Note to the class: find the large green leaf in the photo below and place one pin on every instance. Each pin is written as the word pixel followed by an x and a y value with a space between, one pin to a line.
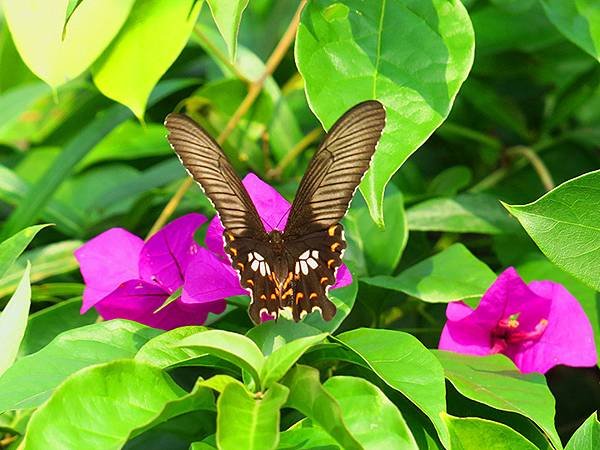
pixel 245 421
pixel 495 381
pixel 452 275
pixel 104 405
pixel 74 150
pixel 473 433
pixel 46 324
pixel 228 15
pixel 13 320
pixel 281 360
pixel 308 438
pixel 46 261
pixel 587 436
pixel 57 47
pixel 149 42
pixel 162 351
pixel 380 248
pixel 232 347
pixel 273 334
pixel 11 248
pixel 308 396
pixel 66 354
pixel 412 55
pixel 565 224
pixel 399 359
pixel 465 213
pixel 371 417
pixel 578 20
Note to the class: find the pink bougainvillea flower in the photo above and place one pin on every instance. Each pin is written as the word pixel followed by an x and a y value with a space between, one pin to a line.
pixel 273 210
pixel 538 325
pixel 129 279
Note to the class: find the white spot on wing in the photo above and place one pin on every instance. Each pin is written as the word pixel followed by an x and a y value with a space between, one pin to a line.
pixel 254 265
pixel 315 254
pixel 304 267
pixel 297 267
pixel 250 256
pixel 263 270
pixel 312 263
pixel 305 254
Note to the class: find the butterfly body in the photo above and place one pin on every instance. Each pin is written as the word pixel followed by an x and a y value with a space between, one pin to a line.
pixel 290 269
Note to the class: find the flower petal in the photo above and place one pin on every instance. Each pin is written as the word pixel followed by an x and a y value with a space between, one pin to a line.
pixel 166 255
pixel 208 279
pixel 462 334
pixel 568 338
pixel 106 261
pixel 343 277
pixel 137 300
pixel 270 204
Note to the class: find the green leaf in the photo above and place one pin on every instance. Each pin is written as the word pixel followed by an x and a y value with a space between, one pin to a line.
pixel 228 15
pixel 13 321
pixel 465 213
pixel 587 436
pixel 281 360
pixel 381 248
pixel 343 299
pixel 232 347
pixel 399 359
pixel 412 55
pixel 66 354
pixel 452 275
pixel 46 324
pixel 245 421
pixel 162 352
pixel 47 261
pixel 74 150
pixel 274 334
pixel 129 140
pixel 579 21
pixel 495 381
pixel 371 417
pixel 309 438
pixel 473 433
pixel 107 404
pixel 308 396
pixel 140 54
pixel 565 224
pixel 11 248
pixel 16 101
pixel 69 46
pixel 449 181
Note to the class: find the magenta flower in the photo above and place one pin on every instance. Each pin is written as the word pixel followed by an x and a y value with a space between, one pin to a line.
pixel 538 326
pixel 129 279
pixel 273 210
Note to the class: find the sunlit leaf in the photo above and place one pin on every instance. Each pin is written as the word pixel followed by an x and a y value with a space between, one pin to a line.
pixel 227 15
pixel 565 224
pixel 412 55
pixel 11 248
pixel 587 436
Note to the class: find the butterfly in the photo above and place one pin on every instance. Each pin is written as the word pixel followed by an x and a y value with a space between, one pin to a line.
pixel 291 268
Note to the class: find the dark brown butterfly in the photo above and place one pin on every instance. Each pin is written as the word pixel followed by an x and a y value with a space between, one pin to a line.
pixel 290 269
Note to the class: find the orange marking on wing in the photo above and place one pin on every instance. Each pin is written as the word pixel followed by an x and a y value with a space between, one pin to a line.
pixel 312 295
pixel 299 296
pixel 263 297
pixel 288 279
pixel 250 282
pixel 273 297
pixel 230 236
pixel 334 246
pixel 331 230
pixel 233 250
pixel 324 280
pixel 331 263
pixel 241 266
pixel 287 293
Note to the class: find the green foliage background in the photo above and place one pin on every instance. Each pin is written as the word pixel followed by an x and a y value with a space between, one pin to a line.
pixel 501 99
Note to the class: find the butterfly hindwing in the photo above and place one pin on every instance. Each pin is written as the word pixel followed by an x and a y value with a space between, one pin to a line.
pixel 316 256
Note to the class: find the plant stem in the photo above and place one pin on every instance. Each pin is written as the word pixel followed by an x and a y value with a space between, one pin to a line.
pixel 302 145
pixel 219 54
pixel 254 90
pixel 536 162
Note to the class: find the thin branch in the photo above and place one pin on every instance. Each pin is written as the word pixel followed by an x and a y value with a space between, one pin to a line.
pixel 216 51
pixel 254 90
pixel 538 165
pixel 302 145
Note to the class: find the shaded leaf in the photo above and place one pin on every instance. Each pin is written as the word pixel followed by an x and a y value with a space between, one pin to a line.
pixel 11 248
pixel 451 275
pixel 587 436
pixel 228 15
